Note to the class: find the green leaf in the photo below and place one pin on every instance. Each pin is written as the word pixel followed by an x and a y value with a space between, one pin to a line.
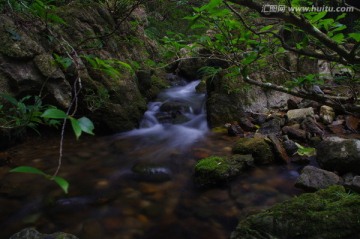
pixel 355 36
pixel 305 151
pixel 9 98
pixel 338 37
pixel 266 28
pixel 54 114
pixel 86 125
pixel 63 183
pixel 340 16
pixel 317 17
pixel 27 169
pixel 76 127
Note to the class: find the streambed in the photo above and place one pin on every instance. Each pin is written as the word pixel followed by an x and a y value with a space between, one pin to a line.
pixel 138 184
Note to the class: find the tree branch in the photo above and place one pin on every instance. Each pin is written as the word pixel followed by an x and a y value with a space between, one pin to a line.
pixel 306 26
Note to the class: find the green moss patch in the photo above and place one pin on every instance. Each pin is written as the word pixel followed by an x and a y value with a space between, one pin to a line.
pixel 257 147
pixel 328 213
pixel 216 170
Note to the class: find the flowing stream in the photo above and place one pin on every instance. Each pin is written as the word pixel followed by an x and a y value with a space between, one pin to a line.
pixel 138 184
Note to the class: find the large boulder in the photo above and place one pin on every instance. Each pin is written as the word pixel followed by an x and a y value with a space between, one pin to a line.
pixel 215 170
pixel 229 100
pixel 312 179
pixel 31 233
pixel 338 154
pixel 257 147
pixel 329 213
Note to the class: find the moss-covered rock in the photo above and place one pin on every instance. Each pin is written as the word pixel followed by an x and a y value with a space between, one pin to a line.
pixel 216 170
pixel 257 147
pixel 329 213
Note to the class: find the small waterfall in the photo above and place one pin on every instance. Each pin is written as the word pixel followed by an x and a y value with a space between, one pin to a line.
pixel 176 119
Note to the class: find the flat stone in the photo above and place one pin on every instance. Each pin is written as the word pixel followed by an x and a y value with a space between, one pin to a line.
pixel 299 114
pixel 312 179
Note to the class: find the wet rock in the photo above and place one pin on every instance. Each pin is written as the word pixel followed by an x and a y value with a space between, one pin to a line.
pixel 337 127
pixel 290 147
pixel 259 119
pixel 352 123
pixel 312 179
pixel 217 170
pixel 327 114
pixel 299 114
pixel 292 104
pixel 294 132
pixel 234 129
pixel 151 172
pixel 330 213
pixel 355 184
pixel 300 159
pixel 341 155
pixel 272 126
pixel 28 233
pixel 279 149
pixel 175 106
pixel 247 124
pixel 257 147
pixel 310 125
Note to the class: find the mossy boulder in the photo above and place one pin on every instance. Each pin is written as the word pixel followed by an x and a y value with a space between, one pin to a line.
pixel 216 170
pixel 257 147
pixel 329 213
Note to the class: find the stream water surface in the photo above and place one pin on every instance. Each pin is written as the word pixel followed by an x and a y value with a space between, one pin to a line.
pixel 138 184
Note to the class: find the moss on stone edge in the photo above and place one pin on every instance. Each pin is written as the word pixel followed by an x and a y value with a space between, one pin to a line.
pixel 216 170
pixel 329 213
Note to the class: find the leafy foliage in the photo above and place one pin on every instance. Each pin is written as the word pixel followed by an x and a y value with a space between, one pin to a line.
pixel 112 67
pixel 79 126
pixel 63 183
pixel 21 114
pixel 305 151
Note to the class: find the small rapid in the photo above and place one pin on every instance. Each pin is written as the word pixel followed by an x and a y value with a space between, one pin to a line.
pixel 176 119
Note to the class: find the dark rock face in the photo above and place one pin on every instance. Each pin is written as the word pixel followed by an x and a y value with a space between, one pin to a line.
pixel 330 213
pixel 28 233
pixel 216 170
pixel 341 155
pixel 28 65
pixel 312 179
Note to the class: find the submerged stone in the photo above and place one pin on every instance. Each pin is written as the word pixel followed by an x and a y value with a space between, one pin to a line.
pixel 329 213
pixel 151 172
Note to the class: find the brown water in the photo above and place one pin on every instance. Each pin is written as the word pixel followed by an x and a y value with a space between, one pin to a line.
pixel 107 200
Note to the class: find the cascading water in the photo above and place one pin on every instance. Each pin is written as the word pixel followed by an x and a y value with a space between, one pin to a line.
pixel 176 119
